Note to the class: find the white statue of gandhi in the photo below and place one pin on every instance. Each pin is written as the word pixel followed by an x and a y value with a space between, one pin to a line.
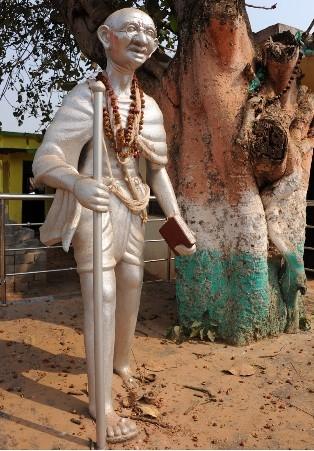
pixel 133 124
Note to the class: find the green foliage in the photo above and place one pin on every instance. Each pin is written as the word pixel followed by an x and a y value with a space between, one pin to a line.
pixel 197 330
pixel 38 57
pixel 165 20
pixel 40 60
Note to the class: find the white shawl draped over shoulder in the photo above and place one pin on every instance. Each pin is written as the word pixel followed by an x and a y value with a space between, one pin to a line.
pixel 69 131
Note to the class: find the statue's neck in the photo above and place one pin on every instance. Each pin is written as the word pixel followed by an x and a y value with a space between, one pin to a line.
pixel 120 78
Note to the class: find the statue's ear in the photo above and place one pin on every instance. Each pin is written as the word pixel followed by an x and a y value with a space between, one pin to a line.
pixel 103 33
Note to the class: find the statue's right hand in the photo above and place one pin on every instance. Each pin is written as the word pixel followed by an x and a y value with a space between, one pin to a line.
pixel 91 194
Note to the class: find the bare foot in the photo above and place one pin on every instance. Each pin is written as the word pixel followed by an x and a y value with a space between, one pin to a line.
pixel 127 377
pixel 118 429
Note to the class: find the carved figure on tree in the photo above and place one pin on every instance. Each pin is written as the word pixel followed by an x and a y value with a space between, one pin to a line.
pixel 133 125
pixel 277 134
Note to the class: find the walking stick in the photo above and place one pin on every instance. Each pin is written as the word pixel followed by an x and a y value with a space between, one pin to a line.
pixel 98 90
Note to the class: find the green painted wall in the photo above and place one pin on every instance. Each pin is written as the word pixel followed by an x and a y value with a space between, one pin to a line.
pixel 14 149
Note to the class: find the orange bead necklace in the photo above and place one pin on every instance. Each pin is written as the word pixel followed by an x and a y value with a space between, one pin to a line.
pixel 123 140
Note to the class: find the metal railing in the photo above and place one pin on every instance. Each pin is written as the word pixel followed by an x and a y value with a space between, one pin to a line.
pixel 4 249
pixel 309 204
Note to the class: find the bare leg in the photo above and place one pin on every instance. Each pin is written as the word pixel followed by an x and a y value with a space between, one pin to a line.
pixel 129 286
pixel 118 429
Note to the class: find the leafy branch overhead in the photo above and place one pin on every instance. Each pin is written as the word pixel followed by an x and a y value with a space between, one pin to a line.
pixel 47 46
pixel 37 55
pixel 40 58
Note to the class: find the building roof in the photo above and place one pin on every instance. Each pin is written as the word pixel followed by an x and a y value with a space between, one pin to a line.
pixel 19 141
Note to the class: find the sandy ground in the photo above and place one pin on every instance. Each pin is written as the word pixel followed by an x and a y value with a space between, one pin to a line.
pixel 43 397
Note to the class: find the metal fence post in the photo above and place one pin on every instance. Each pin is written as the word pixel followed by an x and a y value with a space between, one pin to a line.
pixel 3 288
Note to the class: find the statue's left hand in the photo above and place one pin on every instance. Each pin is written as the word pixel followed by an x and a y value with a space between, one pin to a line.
pixel 183 250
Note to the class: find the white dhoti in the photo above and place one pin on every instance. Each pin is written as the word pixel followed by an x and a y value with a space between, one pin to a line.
pixel 122 237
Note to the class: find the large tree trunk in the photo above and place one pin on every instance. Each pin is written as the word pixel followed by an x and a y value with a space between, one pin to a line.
pixel 233 285
pixel 234 193
pixel 225 284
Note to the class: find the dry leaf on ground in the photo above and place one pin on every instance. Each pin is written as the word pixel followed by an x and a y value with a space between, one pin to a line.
pixel 149 410
pixel 241 369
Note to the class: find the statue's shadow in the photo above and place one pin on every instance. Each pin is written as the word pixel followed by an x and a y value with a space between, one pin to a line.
pixel 23 372
pixel 40 373
pixel 37 373
pixel 24 366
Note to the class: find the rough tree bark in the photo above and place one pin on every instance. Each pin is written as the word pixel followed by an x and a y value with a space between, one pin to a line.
pixel 240 165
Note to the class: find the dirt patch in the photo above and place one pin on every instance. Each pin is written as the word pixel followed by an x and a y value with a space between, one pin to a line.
pixel 197 399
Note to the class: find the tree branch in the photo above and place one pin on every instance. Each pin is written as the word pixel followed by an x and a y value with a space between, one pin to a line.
pixel 274 6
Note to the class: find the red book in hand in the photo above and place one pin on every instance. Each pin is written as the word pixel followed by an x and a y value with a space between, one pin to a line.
pixel 175 231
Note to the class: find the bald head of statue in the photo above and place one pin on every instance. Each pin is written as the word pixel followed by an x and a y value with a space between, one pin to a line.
pixel 129 38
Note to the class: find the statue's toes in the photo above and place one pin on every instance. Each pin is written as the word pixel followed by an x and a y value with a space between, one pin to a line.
pixel 131 425
pixel 122 431
pixel 117 431
pixel 124 427
pixel 110 433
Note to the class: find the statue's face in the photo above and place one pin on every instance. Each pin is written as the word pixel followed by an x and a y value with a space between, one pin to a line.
pixel 129 38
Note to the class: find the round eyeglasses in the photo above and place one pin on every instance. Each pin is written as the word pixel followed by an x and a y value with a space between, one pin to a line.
pixel 133 30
